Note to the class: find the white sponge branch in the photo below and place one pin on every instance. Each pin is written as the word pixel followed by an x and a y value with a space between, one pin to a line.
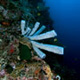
pixel 36 26
pixel 40 30
pixel 48 47
pixel 49 34
pixel 23 23
pixel 39 52
pixel 28 32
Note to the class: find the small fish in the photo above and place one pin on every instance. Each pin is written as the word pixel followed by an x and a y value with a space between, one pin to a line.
pixel 5 23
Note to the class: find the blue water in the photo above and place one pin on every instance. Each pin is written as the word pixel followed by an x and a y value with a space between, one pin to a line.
pixel 66 16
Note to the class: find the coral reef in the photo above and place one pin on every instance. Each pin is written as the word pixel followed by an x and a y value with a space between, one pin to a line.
pixel 26 38
pixel 16 36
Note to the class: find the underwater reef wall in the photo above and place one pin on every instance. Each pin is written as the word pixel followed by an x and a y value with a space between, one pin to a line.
pixel 28 43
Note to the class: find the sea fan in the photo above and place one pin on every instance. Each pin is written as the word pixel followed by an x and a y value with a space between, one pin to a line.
pixel 34 35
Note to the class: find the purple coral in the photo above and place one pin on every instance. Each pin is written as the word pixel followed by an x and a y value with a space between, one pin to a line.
pixel 2 73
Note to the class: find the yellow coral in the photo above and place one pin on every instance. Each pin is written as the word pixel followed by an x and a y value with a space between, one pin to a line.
pixel 48 71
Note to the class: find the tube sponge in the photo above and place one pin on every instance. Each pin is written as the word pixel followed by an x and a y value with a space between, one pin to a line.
pixel 39 52
pixel 40 30
pixel 51 48
pixel 36 26
pixel 49 34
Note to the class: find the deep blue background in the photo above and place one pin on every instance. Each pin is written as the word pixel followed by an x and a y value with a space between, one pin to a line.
pixel 66 16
